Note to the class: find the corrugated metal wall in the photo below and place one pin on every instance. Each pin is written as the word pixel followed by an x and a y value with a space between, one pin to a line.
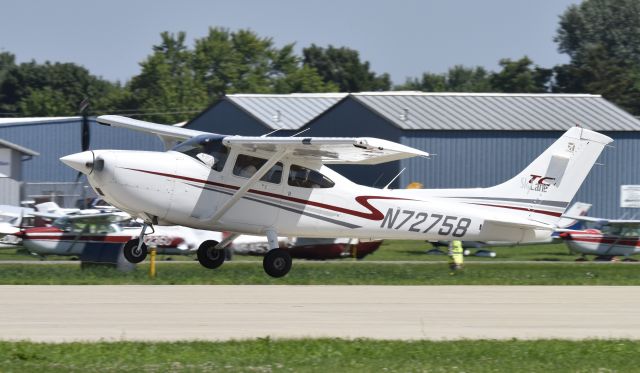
pixel 484 158
pixel 9 191
pixel 59 138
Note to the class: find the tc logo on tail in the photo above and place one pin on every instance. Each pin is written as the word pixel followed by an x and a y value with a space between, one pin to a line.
pixel 539 183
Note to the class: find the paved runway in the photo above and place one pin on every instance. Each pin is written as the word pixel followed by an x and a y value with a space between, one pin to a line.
pixel 68 313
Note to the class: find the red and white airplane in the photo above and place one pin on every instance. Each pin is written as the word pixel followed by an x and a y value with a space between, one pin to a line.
pixel 606 240
pixel 282 185
pixel 73 234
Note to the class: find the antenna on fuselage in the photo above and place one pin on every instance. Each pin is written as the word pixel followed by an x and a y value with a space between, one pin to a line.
pixel 271 133
pixel 304 130
pixel 394 179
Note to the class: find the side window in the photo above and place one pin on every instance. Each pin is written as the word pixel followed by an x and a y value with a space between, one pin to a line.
pixel 307 178
pixel 247 165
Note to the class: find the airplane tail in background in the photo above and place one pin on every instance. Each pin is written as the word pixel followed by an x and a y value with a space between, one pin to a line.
pixel 577 209
pixel 544 189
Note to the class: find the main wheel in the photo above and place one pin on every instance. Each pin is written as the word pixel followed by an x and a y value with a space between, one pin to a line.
pixel 209 256
pixel 132 253
pixel 277 262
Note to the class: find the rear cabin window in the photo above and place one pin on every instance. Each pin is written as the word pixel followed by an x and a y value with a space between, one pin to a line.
pixel 247 165
pixel 303 177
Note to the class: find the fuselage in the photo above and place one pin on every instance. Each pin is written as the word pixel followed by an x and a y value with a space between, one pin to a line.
pixel 296 199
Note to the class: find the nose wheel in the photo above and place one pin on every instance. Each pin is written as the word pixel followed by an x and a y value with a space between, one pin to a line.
pixel 134 252
pixel 209 255
pixel 277 262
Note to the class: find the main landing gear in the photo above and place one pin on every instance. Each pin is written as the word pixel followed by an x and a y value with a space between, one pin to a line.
pixel 277 261
pixel 209 255
pixel 135 251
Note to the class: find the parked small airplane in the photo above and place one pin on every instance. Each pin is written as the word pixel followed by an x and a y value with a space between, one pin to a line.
pixel 606 240
pixel 307 248
pixel 281 185
pixel 72 234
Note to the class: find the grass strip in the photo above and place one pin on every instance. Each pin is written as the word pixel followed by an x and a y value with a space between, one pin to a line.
pixel 331 273
pixel 324 355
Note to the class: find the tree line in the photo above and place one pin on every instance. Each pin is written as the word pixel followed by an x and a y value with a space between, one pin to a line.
pixel 601 37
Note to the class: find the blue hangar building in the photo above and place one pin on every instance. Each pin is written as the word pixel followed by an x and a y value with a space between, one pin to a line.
pixel 478 140
pixel 43 176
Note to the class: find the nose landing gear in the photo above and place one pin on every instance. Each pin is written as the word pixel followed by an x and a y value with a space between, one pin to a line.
pixel 135 251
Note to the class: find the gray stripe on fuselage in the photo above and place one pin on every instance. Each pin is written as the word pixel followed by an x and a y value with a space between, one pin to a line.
pixel 290 209
pixel 559 204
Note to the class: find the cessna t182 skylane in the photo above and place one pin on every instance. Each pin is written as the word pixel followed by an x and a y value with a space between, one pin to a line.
pixel 281 186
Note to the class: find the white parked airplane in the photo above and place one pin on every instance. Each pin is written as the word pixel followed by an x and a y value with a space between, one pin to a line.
pixel 281 185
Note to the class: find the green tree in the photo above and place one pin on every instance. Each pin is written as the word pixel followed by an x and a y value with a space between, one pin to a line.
pixel 243 62
pixel 343 67
pixel 7 62
pixel 44 102
pixel 521 77
pixel 303 80
pixel 457 79
pixel 609 24
pixel 602 38
pixel 167 90
pixel 52 89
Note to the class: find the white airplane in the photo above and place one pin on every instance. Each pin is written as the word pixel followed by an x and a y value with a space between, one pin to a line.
pixel 281 185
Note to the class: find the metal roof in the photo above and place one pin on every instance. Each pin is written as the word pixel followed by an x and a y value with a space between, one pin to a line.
pixel 497 111
pixel 16 147
pixel 289 111
pixel 33 120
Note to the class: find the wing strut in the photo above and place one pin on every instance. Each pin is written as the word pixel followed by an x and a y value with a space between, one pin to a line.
pixel 245 188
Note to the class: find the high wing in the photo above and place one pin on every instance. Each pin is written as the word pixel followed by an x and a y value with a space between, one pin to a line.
pixel 331 150
pixel 167 133
pixel 107 217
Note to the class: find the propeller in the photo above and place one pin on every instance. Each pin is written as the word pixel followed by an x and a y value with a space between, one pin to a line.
pixel 85 132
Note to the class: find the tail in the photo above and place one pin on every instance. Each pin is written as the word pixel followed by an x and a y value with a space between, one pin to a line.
pixel 544 189
pixel 567 221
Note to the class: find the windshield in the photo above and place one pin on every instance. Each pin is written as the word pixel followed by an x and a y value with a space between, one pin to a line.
pixel 207 149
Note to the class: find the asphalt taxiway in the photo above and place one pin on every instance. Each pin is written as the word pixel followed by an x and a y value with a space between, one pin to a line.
pixel 131 312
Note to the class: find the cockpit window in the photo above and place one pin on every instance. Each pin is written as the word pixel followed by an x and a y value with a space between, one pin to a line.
pixel 247 165
pixel 207 149
pixel 307 178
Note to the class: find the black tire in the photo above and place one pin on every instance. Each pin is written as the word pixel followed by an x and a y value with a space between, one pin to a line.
pixel 277 263
pixel 131 252
pixel 209 256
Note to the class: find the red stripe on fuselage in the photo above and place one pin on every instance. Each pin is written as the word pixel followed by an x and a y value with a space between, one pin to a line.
pixel 544 212
pixel 82 239
pixel 373 214
pixel 605 240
